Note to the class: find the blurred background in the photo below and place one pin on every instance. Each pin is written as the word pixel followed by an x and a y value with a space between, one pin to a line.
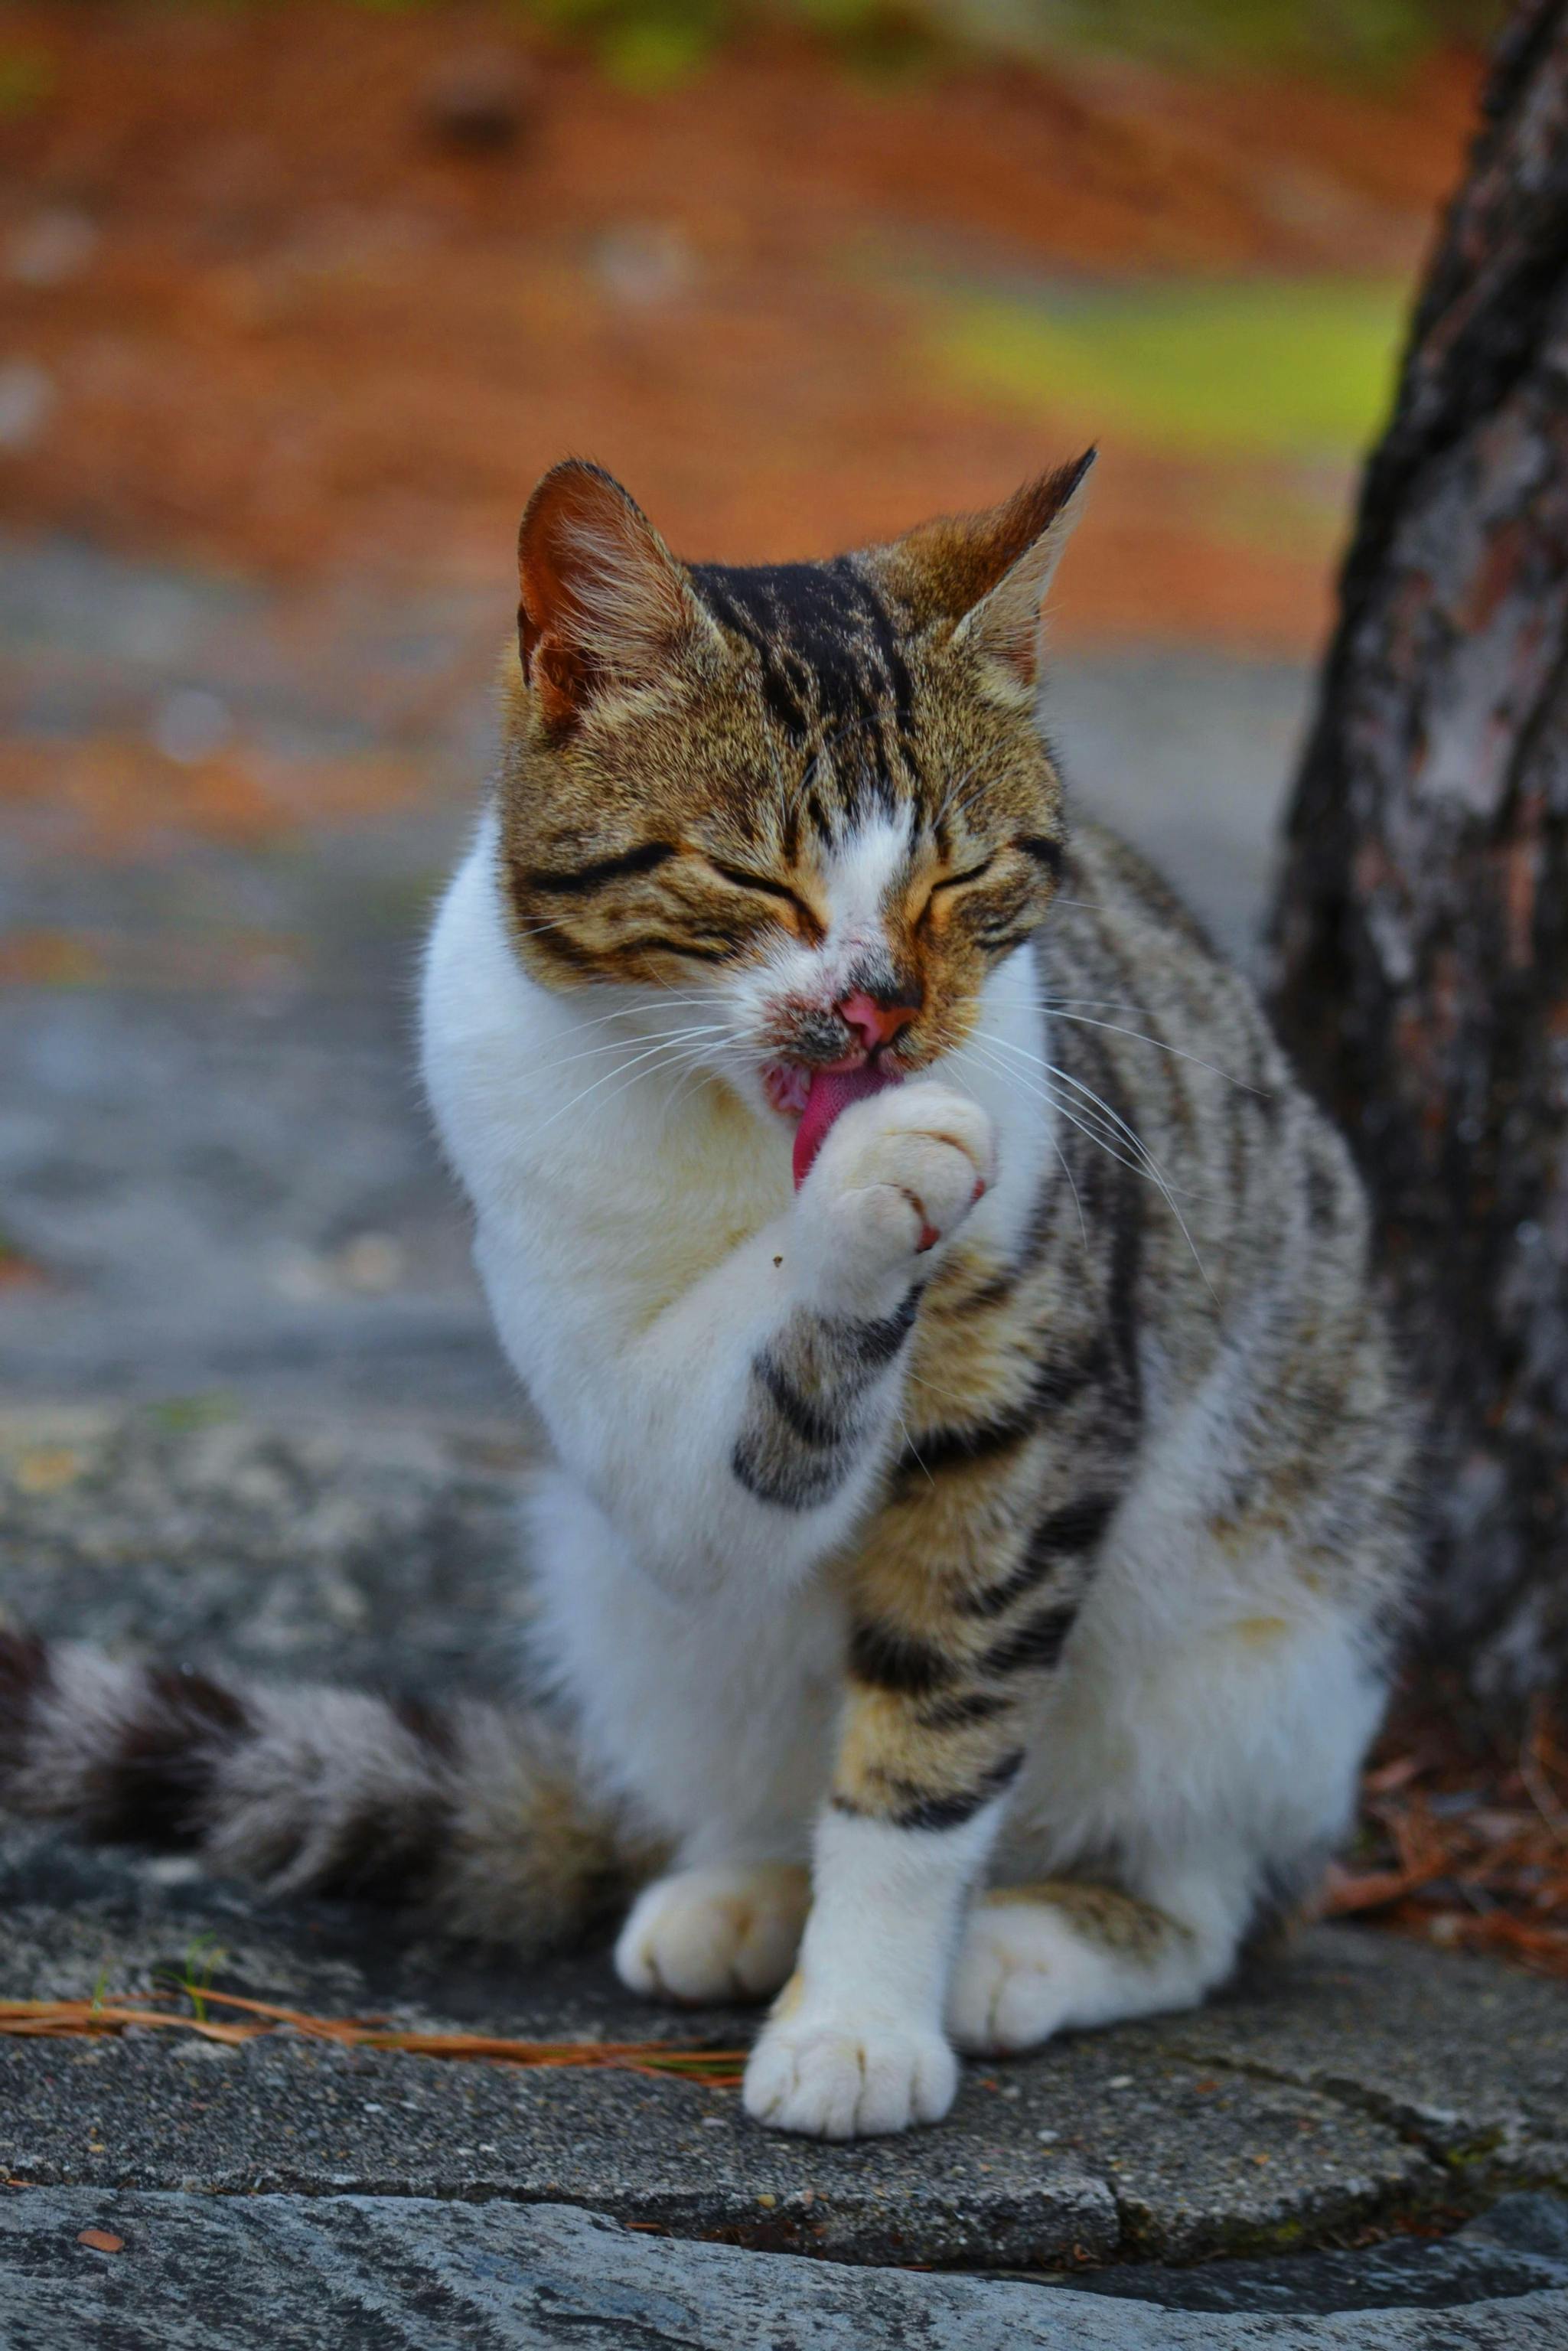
pixel 298 299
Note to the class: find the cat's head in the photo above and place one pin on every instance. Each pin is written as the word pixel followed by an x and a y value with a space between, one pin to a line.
pixel 805 807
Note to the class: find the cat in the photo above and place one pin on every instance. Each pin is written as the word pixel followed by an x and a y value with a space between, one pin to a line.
pixel 981 1502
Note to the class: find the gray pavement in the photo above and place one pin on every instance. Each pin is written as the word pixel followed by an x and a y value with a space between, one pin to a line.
pixel 355 2274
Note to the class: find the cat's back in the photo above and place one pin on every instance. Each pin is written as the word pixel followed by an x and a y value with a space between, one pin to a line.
pixel 1231 1233
pixel 1118 928
pixel 1166 1063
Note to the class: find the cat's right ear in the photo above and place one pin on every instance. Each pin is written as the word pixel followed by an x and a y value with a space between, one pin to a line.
pixel 603 604
pixel 986 575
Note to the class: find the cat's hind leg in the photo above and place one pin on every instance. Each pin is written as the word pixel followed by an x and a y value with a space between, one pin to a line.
pixel 1067 1954
pixel 729 1931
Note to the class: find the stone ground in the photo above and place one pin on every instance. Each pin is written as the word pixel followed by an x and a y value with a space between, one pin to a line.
pixel 250 1411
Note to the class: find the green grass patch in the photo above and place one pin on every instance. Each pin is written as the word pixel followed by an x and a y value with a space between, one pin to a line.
pixel 1354 40
pixel 182 1415
pixel 647 45
pixel 1298 367
pixel 26 83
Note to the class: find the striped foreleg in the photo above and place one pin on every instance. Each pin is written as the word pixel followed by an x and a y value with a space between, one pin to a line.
pixel 941 1668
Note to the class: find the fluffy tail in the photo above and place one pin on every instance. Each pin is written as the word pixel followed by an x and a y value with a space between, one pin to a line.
pixel 474 1818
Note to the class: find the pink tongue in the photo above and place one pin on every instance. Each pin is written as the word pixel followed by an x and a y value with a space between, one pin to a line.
pixel 830 1092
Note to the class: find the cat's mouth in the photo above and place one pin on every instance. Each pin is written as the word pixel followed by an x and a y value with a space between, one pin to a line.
pixel 818 1097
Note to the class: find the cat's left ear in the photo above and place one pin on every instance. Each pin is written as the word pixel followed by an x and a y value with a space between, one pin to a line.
pixel 602 603
pixel 990 572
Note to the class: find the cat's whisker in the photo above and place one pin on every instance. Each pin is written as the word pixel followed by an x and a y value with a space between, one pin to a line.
pixel 662 1047
pixel 624 1044
pixel 1119 1125
pixel 618 1045
pixel 1061 1155
pixel 949 1395
pixel 1144 1165
pixel 951 795
pixel 1156 1169
pixel 967 802
pixel 910 1448
pixel 1101 1003
pixel 1091 1116
pixel 1179 1052
pixel 664 1004
pixel 658 1070
pixel 1093 1133
pixel 683 1059
pixel 694 1069
pixel 1136 1140
pixel 1077 1200
pixel 684 1064
pixel 1032 993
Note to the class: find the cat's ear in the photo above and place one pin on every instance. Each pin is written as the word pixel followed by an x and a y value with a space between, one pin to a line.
pixel 602 603
pixel 989 573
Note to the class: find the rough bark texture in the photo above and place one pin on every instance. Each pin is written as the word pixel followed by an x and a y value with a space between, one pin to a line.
pixel 1422 935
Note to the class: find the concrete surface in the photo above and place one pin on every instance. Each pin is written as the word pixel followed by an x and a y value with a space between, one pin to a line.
pixel 356 2273
pixel 1170 2141
pixel 1147 2152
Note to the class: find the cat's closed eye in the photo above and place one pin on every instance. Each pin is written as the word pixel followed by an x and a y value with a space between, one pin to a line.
pixel 956 881
pixel 767 886
pixel 947 883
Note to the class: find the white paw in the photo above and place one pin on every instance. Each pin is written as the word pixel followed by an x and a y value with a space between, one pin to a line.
pixel 848 2079
pixel 714 1934
pixel 1022 1974
pixel 896 1178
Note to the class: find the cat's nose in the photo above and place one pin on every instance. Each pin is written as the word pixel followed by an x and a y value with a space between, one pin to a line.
pixel 873 1023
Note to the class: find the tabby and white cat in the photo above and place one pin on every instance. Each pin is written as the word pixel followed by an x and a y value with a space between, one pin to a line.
pixel 980 1510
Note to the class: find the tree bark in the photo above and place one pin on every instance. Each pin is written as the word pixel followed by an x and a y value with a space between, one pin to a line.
pixel 1421 934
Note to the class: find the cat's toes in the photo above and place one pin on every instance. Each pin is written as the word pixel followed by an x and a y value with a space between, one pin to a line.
pixel 1018 1979
pixel 714 1934
pixel 898 1174
pixel 829 2079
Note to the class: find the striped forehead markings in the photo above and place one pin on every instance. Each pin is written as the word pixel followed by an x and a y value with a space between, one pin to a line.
pixel 827 643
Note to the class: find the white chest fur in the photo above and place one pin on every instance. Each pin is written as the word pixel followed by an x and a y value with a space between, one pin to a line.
pixel 606 1173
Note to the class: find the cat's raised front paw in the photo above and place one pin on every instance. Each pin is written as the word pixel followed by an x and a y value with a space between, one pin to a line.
pixel 849 2078
pixel 896 1178
pixel 714 1934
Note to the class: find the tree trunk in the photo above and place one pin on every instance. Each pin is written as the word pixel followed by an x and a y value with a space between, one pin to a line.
pixel 1421 937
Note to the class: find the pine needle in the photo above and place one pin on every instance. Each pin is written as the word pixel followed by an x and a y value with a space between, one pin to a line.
pixel 99 2018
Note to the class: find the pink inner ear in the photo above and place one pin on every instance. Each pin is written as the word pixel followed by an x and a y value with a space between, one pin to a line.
pixel 602 597
pixel 830 1094
pixel 568 509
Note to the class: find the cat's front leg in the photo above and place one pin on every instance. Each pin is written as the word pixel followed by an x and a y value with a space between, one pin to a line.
pixel 855 2045
pixel 744 1431
pixel 963 1601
